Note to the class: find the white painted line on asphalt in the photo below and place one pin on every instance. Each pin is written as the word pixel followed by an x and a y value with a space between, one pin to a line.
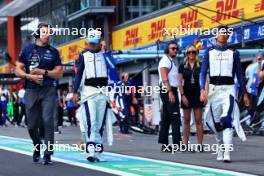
pixel 181 164
pixel 127 156
pixel 92 167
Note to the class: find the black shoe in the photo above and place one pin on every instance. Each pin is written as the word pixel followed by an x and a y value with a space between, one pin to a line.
pixel 200 148
pixel 47 160
pixel 36 156
pixel 91 159
pixel 191 150
pixel 227 161
pixel 128 132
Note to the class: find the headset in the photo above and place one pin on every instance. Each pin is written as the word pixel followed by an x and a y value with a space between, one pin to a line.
pixel 37 32
pixel 166 50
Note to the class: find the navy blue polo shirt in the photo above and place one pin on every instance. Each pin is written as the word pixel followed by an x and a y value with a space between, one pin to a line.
pixel 46 57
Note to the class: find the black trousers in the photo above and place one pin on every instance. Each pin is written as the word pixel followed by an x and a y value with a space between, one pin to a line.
pixel 170 116
pixel 56 117
pixel 60 116
pixel 16 113
pixel 125 124
pixel 21 114
pixel 71 115
pixel 1 119
pixel 39 109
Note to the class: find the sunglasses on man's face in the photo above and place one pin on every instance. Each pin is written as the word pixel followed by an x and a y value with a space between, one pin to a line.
pixel 191 52
pixel 174 48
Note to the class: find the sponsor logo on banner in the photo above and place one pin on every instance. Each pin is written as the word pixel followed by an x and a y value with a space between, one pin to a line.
pixel 157 28
pixel 261 30
pixel 246 34
pixel 226 9
pixel 70 52
pixel 132 37
pixel 189 19
pixel 73 52
pixel 147 32
pixel 259 6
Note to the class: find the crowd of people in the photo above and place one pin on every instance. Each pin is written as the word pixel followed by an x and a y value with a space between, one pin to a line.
pixel 12 107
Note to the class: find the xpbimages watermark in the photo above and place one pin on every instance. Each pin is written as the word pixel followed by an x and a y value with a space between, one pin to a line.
pixel 182 30
pixel 68 147
pixel 146 90
pixel 214 148
pixel 82 32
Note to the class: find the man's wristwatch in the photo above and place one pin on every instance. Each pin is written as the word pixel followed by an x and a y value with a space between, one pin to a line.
pixel 46 73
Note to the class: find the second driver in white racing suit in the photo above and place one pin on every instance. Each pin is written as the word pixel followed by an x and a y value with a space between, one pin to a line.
pixel 221 112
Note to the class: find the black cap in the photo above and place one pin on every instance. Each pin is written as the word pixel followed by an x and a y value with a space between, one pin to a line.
pixel 222 27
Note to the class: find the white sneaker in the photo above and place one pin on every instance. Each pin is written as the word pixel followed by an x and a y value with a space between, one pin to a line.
pixel 220 155
pixel 227 157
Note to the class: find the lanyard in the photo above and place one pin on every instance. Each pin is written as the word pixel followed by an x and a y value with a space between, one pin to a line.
pixel 172 63
pixel 192 77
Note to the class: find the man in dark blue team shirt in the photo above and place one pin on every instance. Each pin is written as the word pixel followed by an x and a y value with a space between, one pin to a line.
pixel 40 65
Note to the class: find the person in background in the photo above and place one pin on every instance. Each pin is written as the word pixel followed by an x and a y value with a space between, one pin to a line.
pixel 16 107
pixel 103 46
pixel 1 119
pixel 70 106
pixel 10 108
pixel 4 95
pixel 253 86
pixel 60 108
pixel 64 95
pixel 134 108
pixel 260 66
pixel 189 88
pixel 261 76
pixel 169 82
pixel 127 99
pixel 22 108
pixel 56 110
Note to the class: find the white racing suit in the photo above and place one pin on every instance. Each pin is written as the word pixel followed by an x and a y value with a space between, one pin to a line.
pixel 222 113
pixel 94 112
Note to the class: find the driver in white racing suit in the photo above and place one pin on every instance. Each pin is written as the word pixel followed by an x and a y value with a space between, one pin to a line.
pixel 92 67
pixel 221 112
